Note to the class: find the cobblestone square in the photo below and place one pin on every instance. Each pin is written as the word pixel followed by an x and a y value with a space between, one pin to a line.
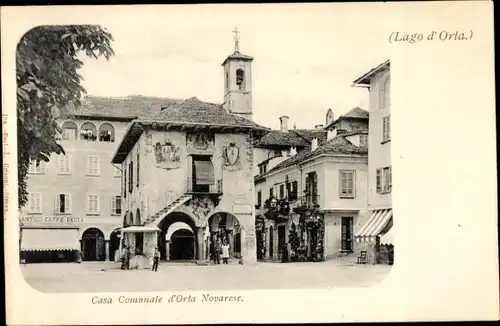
pixel 107 277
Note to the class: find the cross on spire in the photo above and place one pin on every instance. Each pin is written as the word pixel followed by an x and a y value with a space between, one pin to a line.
pixel 236 40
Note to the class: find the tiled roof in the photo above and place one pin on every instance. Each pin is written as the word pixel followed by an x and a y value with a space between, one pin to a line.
pixel 356 113
pixel 354 132
pixel 189 114
pixel 238 55
pixel 309 134
pixel 280 138
pixel 193 111
pixel 130 107
pixel 365 79
pixel 338 145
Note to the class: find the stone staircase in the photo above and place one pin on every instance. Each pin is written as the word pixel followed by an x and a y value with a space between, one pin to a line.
pixel 168 209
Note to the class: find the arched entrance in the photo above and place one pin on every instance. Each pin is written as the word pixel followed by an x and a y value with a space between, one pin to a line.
pixel 224 228
pixel 114 243
pixel 170 224
pixel 93 245
pixel 182 243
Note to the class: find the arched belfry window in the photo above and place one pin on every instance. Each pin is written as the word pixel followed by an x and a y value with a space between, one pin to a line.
pixel 88 131
pixel 106 132
pixel 240 79
pixel 227 81
pixel 384 92
pixel 69 130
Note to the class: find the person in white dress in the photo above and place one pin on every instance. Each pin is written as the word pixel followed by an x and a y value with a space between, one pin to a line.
pixel 225 253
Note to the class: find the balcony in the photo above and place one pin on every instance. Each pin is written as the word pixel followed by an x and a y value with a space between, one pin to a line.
pixel 277 209
pixel 193 187
pixel 307 203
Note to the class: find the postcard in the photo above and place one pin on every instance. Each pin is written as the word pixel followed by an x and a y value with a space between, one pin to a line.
pixel 249 163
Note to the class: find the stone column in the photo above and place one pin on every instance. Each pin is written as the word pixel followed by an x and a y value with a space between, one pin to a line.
pixel 106 244
pixel 200 242
pixel 167 250
pixel 231 243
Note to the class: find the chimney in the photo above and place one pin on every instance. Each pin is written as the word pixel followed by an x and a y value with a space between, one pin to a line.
pixel 284 123
pixel 317 127
pixel 314 144
pixel 332 133
pixel 293 151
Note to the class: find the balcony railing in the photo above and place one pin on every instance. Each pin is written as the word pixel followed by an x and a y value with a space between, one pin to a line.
pixel 194 188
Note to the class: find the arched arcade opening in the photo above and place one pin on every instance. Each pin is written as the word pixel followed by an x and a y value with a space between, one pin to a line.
pixel 93 245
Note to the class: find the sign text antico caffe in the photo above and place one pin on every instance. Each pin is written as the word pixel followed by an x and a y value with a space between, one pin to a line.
pixel 51 220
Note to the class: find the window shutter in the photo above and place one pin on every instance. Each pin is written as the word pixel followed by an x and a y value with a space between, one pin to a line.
pixel 124 183
pixel 112 205
pixel 60 162
pixel 67 199
pixel 378 181
pixel 389 179
pixel 97 204
pixel 131 177
pixel 96 165
pixel 388 127
pixel 89 204
pixel 353 185
pixel 57 204
pixel 68 164
pixel 89 165
pixel 38 203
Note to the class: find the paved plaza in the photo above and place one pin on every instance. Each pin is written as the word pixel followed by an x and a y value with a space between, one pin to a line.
pixel 107 277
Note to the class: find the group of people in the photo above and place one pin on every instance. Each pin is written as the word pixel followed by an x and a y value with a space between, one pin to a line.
pixel 125 259
pixel 220 251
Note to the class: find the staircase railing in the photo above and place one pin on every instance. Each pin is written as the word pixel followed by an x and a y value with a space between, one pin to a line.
pixel 163 200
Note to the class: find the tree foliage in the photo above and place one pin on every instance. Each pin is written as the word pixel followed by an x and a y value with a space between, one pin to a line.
pixel 48 84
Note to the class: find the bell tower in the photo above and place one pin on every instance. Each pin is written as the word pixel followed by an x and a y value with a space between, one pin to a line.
pixel 238 81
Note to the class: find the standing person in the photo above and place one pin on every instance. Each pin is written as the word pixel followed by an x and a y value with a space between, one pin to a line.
pixel 123 257
pixel 218 250
pixel 225 253
pixel 156 259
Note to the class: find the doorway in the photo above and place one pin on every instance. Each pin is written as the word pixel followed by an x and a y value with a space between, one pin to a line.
pixel 281 239
pixel 182 245
pixel 114 244
pixel 271 242
pixel 93 245
pixel 347 230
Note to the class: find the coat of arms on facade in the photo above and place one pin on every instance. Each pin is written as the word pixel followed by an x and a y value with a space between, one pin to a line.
pixel 202 206
pixel 200 142
pixel 231 155
pixel 167 155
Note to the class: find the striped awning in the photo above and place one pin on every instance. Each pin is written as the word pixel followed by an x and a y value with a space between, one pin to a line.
pixel 375 225
pixel 388 238
pixel 50 239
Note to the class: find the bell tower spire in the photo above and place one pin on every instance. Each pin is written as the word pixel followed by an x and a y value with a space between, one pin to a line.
pixel 238 80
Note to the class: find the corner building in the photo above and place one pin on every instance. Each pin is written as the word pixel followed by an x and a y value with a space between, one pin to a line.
pixel 188 175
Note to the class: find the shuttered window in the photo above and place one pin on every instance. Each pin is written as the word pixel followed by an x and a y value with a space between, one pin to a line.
pixel 93 205
pixel 93 165
pixel 347 182
pixel 204 172
pixel 131 177
pixel 64 164
pixel 34 205
pixel 137 169
pixel 116 205
pixel 37 167
pixel 63 204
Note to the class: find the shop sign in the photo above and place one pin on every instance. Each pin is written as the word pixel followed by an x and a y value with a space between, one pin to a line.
pixel 51 220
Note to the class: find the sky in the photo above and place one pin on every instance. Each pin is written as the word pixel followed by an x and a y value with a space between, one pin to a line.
pixel 304 60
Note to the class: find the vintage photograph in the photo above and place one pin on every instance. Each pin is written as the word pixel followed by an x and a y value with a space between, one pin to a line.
pixel 161 163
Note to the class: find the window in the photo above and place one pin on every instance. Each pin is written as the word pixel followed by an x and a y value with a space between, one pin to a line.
pixel 130 176
pixel 347 182
pixel 93 165
pixel 263 169
pixel 282 191
pixel 116 205
pixel 63 204
pixel 240 79
pixel 64 164
pixel 293 192
pixel 106 132
pixel 384 180
pixel 34 205
pixel 386 128
pixel 363 140
pixel 137 170
pixel 384 93
pixel 88 132
pixel 125 183
pixel 93 205
pixel 117 173
pixel 69 130
pixel 271 192
pixel 259 198
pixel 37 167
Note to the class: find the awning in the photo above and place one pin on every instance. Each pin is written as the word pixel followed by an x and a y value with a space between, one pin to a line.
pixel 388 238
pixel 204 172
pixel 375 225
pixel 137 229
pixel 50 239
